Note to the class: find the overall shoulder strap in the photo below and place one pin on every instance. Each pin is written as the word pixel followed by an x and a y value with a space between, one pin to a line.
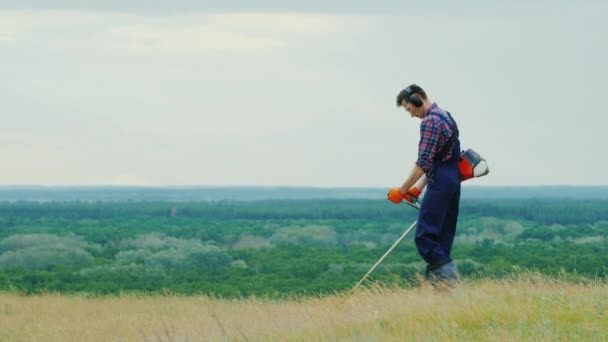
pixel 449 144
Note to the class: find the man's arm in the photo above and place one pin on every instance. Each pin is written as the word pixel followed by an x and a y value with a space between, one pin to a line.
pixel 421 183
pixel 416 177
pixel 411 188
pixel 429 134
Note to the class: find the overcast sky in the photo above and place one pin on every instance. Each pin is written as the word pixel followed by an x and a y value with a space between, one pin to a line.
pixel 267 93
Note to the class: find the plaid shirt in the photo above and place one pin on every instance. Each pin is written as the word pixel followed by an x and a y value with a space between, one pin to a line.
pixel 434 133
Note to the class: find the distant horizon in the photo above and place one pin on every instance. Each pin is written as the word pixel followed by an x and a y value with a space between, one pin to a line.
pixel 255 193
pixel 273 186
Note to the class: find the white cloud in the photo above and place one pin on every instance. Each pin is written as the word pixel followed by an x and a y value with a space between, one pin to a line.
pixel 232 32
pixel 191 39
pixel 290 23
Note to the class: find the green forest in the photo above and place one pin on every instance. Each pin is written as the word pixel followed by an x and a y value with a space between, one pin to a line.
pixel 278 247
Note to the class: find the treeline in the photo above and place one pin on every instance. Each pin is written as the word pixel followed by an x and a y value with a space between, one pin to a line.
pixel 546 211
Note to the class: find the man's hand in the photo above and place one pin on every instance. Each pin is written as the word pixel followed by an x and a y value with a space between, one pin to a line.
pixel 395 196
pixel 412 195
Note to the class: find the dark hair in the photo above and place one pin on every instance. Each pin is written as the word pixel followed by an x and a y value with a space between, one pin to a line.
pixel 407 93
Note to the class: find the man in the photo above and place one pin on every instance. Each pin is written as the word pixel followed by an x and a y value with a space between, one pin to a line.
pixel 436 168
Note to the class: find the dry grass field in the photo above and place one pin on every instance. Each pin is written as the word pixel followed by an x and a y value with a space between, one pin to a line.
pixel 528 308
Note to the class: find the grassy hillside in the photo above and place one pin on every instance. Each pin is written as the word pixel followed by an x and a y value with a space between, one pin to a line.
pixel 527 308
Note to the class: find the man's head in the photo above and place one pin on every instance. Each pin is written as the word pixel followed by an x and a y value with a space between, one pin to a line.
pixel 414 100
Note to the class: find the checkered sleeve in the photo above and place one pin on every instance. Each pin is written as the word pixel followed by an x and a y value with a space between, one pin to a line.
pixel 427 148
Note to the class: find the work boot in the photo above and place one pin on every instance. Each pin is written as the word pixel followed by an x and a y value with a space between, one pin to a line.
pixel 443 276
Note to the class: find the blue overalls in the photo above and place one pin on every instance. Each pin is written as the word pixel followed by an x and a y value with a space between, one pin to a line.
pixel 439 211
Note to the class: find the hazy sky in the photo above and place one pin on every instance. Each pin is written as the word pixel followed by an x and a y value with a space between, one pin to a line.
pixel 267 93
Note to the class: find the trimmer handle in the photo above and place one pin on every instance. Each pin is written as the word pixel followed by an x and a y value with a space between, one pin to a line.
pixel 415 204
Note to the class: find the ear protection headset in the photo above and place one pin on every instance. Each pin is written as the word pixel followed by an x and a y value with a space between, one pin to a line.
pixel 411 95
pixel 415 100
